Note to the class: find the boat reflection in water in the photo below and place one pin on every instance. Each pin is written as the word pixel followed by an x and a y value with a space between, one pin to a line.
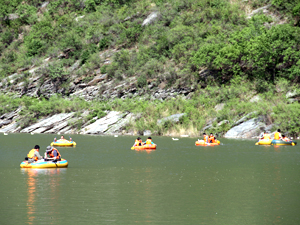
pixel 42 190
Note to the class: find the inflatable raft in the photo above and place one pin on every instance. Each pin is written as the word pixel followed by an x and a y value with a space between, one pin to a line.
pixel 264 142
pixel 63 143
pixel 202 143
pixel 281 142
pixel 45 164
pixel 144 147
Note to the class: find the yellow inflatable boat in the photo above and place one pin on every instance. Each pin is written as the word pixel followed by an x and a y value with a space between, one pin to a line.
pixel 63 143
pixel 45 164
pixel 264 142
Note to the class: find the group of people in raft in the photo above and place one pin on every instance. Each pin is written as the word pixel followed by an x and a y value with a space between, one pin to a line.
pixel 277 136
pixel 51 154
pixel 139 142
pixel 209 138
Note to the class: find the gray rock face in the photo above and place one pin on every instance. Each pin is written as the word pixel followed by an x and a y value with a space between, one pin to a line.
pixel 173 118
pixel 248 129
pixel 100 126
pixel 261 9
pixel 293 96
pixel 152 17
pixel 117 127
pixel 11 128
pixel 147 133
pixel 52 122
pixel 112 123
pixel 74 66
pixel 97 79
pixel 5 122
pixel 244 118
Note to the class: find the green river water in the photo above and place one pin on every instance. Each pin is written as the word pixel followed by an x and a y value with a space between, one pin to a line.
pixel 236 183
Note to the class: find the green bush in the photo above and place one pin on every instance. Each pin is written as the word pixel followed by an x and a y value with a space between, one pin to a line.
pixel 141 81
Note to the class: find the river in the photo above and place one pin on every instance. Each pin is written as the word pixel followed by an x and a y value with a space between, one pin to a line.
pixel 179 183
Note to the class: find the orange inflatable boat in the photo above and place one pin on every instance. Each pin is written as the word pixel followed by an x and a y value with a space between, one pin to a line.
pixel 144 147
pixel 202 143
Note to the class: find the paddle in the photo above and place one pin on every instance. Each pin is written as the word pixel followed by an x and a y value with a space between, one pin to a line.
pixel 132 148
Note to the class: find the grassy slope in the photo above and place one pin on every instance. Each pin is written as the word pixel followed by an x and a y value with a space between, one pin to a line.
pixel 245 56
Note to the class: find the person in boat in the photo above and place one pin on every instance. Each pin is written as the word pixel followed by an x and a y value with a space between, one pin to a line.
pixel 34 154
pixel 265 136
pixel 149 141
pixel 205 137
pixel 52 154
pixel 62 138
pixel 284 138
pixel 138 142
pixel 212 138
pixel 277 135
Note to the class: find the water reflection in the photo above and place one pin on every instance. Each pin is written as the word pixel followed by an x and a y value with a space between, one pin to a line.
pixel 42 189
pixel 146 150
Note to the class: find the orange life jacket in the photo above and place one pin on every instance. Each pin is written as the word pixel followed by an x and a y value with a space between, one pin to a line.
pixel 136 142
pixel 286 139
pixel 30 155
pixel 277 136
pixel 148 142
pixel 266 136
pixel 212 139
pixel 52 155
pixel 205 138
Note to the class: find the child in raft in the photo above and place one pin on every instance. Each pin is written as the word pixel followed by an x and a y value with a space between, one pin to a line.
pixel 284 138
pixel 212 139
pixel 138 142
pixel 265 136
pixel 205 138
pixel 149 141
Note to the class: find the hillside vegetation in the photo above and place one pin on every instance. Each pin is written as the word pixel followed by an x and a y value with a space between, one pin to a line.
pixel 223 50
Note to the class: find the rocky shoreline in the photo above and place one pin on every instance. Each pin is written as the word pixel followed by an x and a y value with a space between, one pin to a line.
pixel 114 123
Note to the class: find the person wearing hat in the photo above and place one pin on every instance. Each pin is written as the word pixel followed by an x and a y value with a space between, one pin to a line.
pixel 34 154
pixel 52 154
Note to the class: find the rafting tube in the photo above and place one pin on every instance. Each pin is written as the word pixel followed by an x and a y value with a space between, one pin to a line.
pixel 44 164
pixel 281 142
pixel 202 143
pixel 64 143
pixel 264 142
pixel 144 147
